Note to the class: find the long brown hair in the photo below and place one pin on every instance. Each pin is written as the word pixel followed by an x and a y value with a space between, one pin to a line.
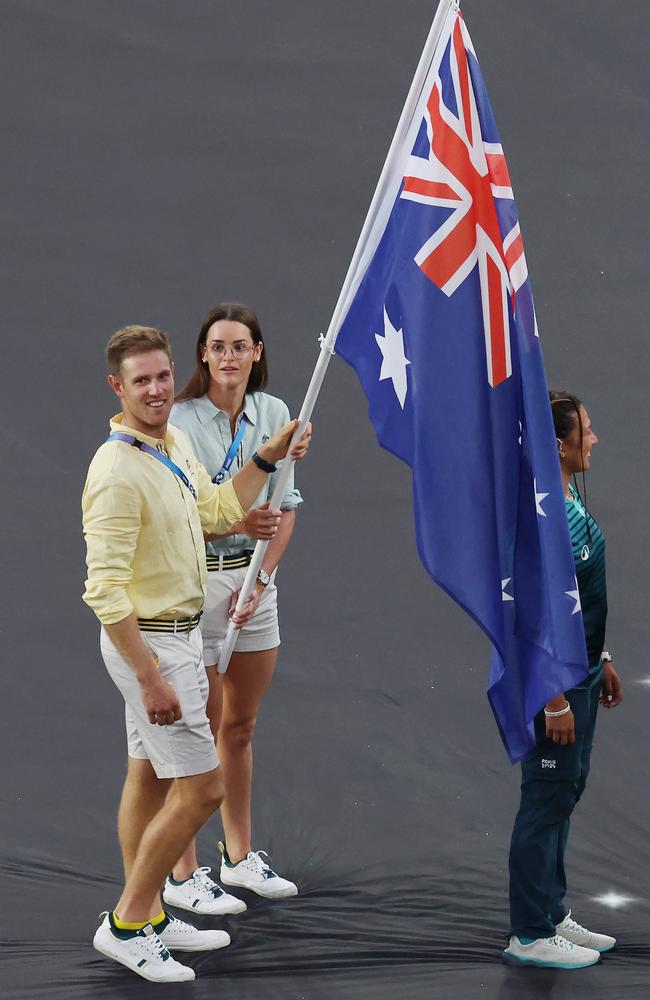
pixel 199 381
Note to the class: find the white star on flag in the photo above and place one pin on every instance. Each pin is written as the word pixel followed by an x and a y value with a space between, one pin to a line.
pixel 504 584
pixel 575 594
pixel 538 500
pixel 394 361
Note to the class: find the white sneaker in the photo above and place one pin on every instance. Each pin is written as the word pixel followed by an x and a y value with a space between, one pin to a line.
pixel 254 873
pixel 574 932
pixel 200 894
pixel 550 953
pixel 178 934
pixel 143 953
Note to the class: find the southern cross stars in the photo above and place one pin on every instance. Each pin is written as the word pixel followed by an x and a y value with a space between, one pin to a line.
pixel 538 500
pixel 394 361
pixel 575 594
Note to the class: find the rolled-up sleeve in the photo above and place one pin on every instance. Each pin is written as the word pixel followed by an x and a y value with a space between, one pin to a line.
pixel 111 522
pixel 292 497
pixel 219 508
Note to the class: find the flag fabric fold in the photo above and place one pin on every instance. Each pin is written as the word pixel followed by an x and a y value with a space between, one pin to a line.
pixel 441 331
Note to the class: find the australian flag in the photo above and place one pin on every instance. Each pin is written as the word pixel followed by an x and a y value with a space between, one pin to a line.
pixel 442 333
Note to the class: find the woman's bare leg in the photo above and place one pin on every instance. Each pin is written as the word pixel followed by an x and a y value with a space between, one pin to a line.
pixel 244 685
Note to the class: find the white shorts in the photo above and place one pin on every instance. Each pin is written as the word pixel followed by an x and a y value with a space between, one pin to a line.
pixel 261 632
pixel 186 747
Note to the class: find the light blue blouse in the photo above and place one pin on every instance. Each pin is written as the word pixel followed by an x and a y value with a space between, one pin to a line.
pixel 208 429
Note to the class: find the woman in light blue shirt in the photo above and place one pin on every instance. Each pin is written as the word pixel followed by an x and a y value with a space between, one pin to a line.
pixel 226 416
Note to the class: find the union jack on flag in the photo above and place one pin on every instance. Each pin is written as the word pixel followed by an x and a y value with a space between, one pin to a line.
pixel 441 296
pixel 464 173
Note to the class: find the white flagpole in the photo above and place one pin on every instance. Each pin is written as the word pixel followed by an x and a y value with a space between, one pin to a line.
pixel 372 227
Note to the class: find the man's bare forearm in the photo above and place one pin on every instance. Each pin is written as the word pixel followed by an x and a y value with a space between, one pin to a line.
pixel 158 696
pixel 127 639
pixel 249 483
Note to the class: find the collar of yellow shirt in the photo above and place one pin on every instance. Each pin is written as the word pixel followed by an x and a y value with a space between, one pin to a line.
pixel 118 426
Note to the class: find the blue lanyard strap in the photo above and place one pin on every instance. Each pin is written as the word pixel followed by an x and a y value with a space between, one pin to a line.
pixel 143 446
pixel 232 451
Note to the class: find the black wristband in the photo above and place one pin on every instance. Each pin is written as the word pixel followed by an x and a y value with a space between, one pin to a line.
pixel 262 464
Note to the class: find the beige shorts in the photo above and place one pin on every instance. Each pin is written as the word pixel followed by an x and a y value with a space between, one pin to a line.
pixel 186 747
pixel 261 632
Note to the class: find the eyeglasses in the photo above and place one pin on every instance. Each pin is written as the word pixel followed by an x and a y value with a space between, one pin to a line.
pixel 239 350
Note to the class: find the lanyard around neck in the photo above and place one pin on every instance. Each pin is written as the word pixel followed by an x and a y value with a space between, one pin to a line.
pixel 143 446
pixel 232 451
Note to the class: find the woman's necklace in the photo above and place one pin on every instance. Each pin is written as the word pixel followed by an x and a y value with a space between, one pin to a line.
pixel 576 502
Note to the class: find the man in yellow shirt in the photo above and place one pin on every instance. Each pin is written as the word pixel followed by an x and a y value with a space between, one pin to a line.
pixel 146 505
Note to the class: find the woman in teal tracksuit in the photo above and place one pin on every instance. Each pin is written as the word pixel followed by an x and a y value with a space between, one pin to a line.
pixel 543 931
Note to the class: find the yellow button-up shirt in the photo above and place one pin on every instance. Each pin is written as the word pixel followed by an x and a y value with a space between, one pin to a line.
pixel 144 529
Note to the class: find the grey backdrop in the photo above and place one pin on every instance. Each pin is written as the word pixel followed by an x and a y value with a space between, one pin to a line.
pixel 159 157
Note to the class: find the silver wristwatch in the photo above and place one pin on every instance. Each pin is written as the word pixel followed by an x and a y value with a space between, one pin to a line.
pixel 263 578
pixel 606 657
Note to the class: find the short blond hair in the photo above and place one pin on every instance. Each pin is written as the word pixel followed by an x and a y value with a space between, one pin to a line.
pixel 135 340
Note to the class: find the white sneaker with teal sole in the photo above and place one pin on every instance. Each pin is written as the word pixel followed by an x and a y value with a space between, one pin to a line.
pixel 143 952
pixel 184 937
pixel 550 953
pixel 254 873
pixel 201 894
pixel 574 932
